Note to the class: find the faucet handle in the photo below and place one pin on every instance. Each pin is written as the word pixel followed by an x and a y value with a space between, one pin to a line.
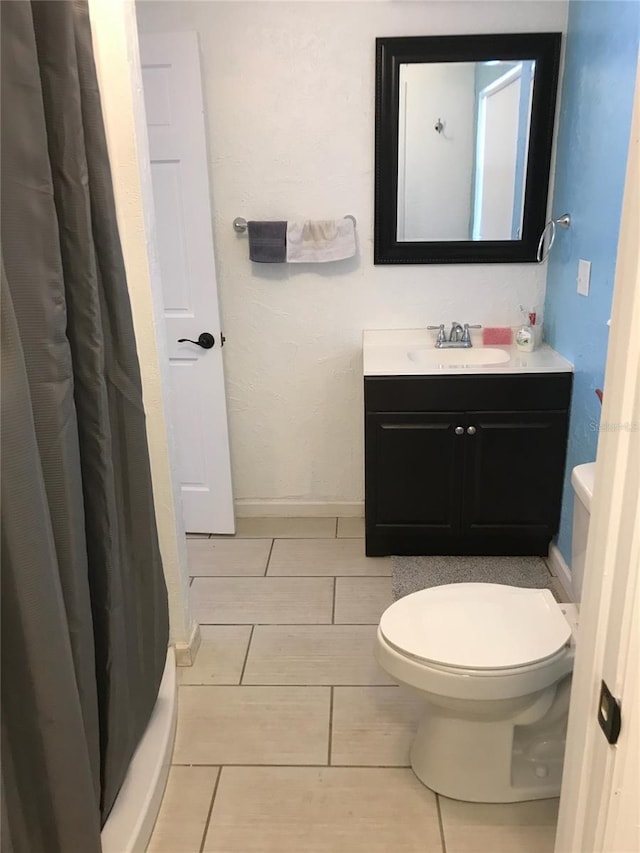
pixel 441 334
pixel 466 337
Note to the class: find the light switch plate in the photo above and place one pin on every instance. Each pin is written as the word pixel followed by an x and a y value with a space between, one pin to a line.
pixel 584 277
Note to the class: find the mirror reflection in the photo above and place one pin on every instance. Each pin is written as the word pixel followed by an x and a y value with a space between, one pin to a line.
pixel 463 140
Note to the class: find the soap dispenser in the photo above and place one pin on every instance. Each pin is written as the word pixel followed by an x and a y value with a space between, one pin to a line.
pixel 525 336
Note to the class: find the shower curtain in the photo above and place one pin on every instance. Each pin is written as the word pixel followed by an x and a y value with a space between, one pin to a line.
pixel 84 606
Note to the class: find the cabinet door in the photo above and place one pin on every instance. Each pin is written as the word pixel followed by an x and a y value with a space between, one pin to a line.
pixel 514 466
pixel 413 471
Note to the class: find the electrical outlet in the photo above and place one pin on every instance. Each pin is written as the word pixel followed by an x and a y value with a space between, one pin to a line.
pixel 584 277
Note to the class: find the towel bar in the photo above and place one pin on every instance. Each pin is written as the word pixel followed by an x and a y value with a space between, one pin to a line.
pixel 240 223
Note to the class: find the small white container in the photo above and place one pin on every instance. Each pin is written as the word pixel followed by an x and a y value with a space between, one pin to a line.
pixel 525 339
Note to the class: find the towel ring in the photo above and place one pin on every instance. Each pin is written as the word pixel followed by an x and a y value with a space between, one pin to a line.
pixel 240 223
pixel 563 221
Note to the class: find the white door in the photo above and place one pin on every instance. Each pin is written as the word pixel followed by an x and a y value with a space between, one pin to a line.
pixel 198 411
pixel 498 125
pixel 600 799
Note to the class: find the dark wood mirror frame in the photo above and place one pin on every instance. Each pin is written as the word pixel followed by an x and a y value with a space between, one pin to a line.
pixel 544 48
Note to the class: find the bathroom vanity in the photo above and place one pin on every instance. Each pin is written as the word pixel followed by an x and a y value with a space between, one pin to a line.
pixel 464 449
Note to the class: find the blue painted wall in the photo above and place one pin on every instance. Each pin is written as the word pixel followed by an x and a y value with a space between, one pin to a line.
pixel 593 139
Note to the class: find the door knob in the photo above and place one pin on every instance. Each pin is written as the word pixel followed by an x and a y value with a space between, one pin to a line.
pixel 471 430
pixel 459 430
pixel 205 340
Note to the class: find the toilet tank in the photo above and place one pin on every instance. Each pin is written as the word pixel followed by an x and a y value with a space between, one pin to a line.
pixel 582 478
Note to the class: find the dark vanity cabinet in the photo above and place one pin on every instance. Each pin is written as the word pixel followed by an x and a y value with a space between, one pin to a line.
pixel 464 464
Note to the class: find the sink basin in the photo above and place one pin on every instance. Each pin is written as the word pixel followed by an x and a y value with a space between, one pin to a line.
pixel 412 352
pixel 433 357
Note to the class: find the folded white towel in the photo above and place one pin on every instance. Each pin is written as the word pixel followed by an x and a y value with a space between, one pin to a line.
pixel 322 240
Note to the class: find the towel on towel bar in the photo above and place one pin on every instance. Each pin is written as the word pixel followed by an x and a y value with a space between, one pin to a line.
pixel 267 242
pixel 320 240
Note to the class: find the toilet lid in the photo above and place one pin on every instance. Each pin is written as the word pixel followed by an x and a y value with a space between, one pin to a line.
pixel 477 625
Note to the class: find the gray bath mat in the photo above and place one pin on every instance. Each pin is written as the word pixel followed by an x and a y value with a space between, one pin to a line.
pixel 413 573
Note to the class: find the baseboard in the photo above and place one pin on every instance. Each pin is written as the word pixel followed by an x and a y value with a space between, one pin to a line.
pixel 298 509
pixel 560 569
pixel 186 652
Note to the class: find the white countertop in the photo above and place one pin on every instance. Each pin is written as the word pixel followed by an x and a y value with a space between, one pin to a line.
pixel 412 352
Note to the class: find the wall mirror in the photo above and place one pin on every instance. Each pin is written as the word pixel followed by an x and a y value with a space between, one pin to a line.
pixel 464 126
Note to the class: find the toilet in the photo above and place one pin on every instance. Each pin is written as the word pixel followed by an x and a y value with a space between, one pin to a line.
pixel 493 664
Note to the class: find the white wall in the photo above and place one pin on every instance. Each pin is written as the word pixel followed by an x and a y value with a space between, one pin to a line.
pixel 434 178
pixel 289 92
pixel 119 77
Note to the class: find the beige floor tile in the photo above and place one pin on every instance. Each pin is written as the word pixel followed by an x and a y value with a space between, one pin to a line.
pixel 500 839
pixel 208 557
pixel 221 656
pixel 252 725
pixel 530 813
pixel 197 535
pixel 374 725
pixel 313 654
pixel 362 600
pixel 322 810
pixel 325 557
pixel 351 528
pixel 185 807
pixel 288 528
pixel 273 601
pixel 500 828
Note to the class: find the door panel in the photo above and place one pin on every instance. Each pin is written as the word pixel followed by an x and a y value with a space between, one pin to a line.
pixel 167 196
pixel 189 417
pixel 499 121
pixel 416 470
pixel 513 471
pixel 198 411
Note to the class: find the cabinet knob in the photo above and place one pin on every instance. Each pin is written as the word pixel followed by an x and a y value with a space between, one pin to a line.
pixel 459 430
pixel 471 430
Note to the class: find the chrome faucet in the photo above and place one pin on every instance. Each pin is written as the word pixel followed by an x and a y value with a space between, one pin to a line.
pixel 459 336
pixel 456 333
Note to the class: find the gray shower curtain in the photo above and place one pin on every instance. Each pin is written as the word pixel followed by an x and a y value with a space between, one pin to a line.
pixel 84 608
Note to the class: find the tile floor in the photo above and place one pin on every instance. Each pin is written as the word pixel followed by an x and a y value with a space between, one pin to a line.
pixel 290 738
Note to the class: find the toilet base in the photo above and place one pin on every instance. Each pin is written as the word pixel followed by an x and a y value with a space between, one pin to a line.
pixel 494 761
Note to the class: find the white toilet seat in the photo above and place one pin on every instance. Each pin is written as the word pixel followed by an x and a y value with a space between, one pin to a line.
pixel 423 641
pixel 469 684
pixel 477 627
